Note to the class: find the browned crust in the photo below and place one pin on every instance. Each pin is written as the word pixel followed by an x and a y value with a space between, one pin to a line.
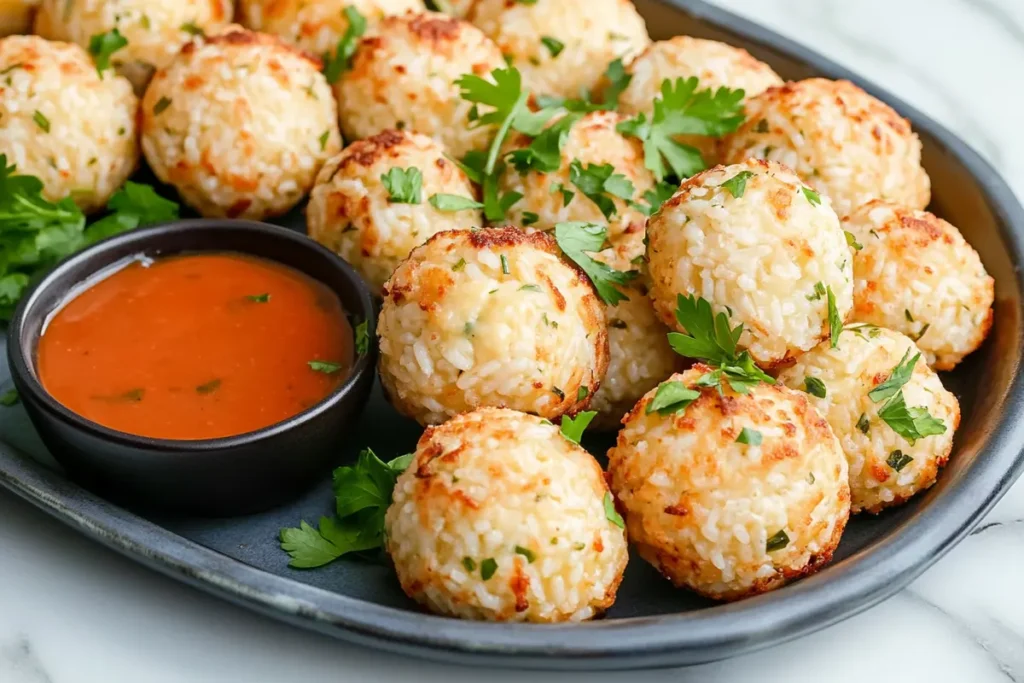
pixel 237 36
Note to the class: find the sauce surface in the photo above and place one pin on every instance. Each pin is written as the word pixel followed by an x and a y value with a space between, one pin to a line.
pixel 196 347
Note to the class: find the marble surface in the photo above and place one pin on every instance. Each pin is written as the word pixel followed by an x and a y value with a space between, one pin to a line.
pixel 73 612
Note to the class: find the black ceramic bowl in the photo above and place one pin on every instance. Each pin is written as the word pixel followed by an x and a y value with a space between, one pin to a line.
pixel 213 477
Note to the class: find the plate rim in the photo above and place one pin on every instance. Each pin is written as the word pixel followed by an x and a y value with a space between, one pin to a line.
pixel 860 581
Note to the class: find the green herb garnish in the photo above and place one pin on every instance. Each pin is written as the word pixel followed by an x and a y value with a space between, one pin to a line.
pixel 161 106
pixel 851 241
pixel 815 387
pixel 835 322
pixel 553 45
pixel 258 298
pixel 737 185
pixel 340 60
pixel 578 238
pixel 208 387
pixel 671 397
pixel 778 541
pixel 610 513
pixel 487 568
pixel 41 121
pixel 599 183
pixel 192 29
pixel 103 45
pixel 813 197
pixel 749 436
pixel 326 367
pixel 527 553
pixel 573 427
pixel 9 398
pixel 453 202
pixel 404 185
pixel 362 338
pixel 898 460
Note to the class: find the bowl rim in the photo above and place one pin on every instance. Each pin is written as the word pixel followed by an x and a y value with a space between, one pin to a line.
pixel 147 240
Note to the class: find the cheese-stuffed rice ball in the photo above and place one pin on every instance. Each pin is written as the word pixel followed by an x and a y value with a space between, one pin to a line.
pixel 155 29
pixel 893 417
pixel 839 139
pixel 63 122
pixel 492 317
pixel 403 76
pixel 502 518
pixel 915 273
pixel 730 494
pixel 385 195
pixel 562 47
pixel 759 245
pixel 240 125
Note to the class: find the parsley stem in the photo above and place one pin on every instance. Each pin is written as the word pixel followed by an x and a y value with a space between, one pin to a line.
pixel 492 154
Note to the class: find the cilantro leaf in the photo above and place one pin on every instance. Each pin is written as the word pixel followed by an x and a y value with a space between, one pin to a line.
pixel 671 397
pixel 572 427
pixel 576 239
pixel 341 60
pixel 899 376
pixel 737 185
pixel 453 202
pixel 910 423
pixel 597 182
pixel 835 322
pixel 405 185
pixel 103 45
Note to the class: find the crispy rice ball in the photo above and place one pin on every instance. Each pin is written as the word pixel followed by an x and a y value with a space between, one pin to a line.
pixel 841 140
pixel 155 29
pixel 917 275
pixel 403 76
pixel 864 359
pixel 501 518
pixel 768 255
pixel 315 26
pixel 585 34
pixel 16 16
pixel 240 125
pixel 63 122
pixel 715 64
pixel 592 140
pixel 490 317
pixel 351 212
pixel 729 519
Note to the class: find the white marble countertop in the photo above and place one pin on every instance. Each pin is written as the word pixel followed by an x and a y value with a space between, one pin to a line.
pixel 73 612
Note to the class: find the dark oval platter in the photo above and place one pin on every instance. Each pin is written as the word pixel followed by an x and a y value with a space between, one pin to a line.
pixel 652 624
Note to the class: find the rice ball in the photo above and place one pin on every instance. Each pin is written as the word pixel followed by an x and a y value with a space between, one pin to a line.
pixel 403 76
pixel 155 29
pixel 491 317
pixel 758 244
pixel 733 494
pixel 63 122
pixel 716 65
pixel 315 26
pixel 838 138
pixel 562 47
pixel 239 125
pixel 553 197
pixel 501 518
pixel 352 212
pixel 914 273
pixel 886 468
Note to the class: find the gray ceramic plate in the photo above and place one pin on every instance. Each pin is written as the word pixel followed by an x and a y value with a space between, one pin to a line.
pixel 651 624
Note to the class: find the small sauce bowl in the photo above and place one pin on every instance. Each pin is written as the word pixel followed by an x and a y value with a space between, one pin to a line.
pixel 232 475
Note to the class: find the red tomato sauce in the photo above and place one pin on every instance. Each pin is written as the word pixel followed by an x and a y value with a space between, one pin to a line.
pixel 196 347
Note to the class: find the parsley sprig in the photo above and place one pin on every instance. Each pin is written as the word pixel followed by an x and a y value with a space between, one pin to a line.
pixel 578 239
pixel 339 61
pixel 573 427
pixel 910 423
pixel 600 183
pixel 103 45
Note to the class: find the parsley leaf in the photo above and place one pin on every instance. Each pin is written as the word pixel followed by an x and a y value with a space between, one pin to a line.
pixel 597 182
pixel 553 45
pixel 813 197
pixel 618 81
pixel 610 513
pixel 815 387
pixel 671 397
pixel 572 427
pixel 340 61
pixel 544 153
pixel 655 197
pixel 576 239
pixel 749 436
pixel 132 206
pixel 835 323
pixel 362 338
pixel 324 366
pixel 40 120
pixel 778 541
pixel 496 205
pixel 453 202
pixel 405 185
pixel 508 99
pixel 910 423
pixel 851 241
pixel 103 45
pixel 899 376
pixel 737 185
pixel 898 460
pixel 259 298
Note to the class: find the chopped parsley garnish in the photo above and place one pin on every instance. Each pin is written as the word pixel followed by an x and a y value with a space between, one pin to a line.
pixel 749 436
pixel 815 387
pixel 554 45
pixel 921 332
pixel 582 393
pixel 762 126
pixel 813 197
pixel 103 45
pixel 530 288
pixel 340 60
pixel 324 366
pixel 9 398
pixel 161 106
pixel 898 460
pixel 852 241
pixel 453 202
pixel 597 182
pixel 324 137
pixel 504 265
pixel 469 563
pixel 529 218
pixel 577 238
pixel 610 513
pixel 671 397
pixel 567 194
pixel 527 553
pixel 508 100
pixel 573 427
pixel 778 541
pixel 258 298
pixel 907 315
pixel 899 376
pixel 910 423
pixel 208 387
pixel 655 197
pixel 618 81
pixel 683 110
pixel 835 322
pixel 459 265
pixel 544 153
pixel 487 568
pixel 405 185
pixel 362 338
pixel 864 424
pixel 41 121
pixel 737 185
pixel 819 291
pixel 190 28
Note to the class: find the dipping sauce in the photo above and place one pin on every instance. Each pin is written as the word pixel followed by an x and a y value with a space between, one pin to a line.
pixel 196 347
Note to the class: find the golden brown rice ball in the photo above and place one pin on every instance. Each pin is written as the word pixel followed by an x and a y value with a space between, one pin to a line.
pixel 838 138
pixel 315 26
pixel 552 197
pixel 240 125
pixel 16 16
pixel 352 212
pixel 562 47
pixel 501 518
pixel 886 469
pixel 734 494
pixel 490 317
pixel 914 273
pixel 155 29
pixel 64 123
pixel 756 243
pixel 403 76
pixel 716 65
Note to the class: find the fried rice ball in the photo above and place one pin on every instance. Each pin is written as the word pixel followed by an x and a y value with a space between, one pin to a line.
pixel 562 47
pixel 403 76
pixel 735 494
pixel 553 197
pixel 240 125
pixel 63 122
pixel 914 273
pixel 757 243
pixel 838 138
pixel 716 65
pixel 491 317
pixel 315 26
pixel 886 469
pixel 155 29
pixel 352 213
pixel 501 518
